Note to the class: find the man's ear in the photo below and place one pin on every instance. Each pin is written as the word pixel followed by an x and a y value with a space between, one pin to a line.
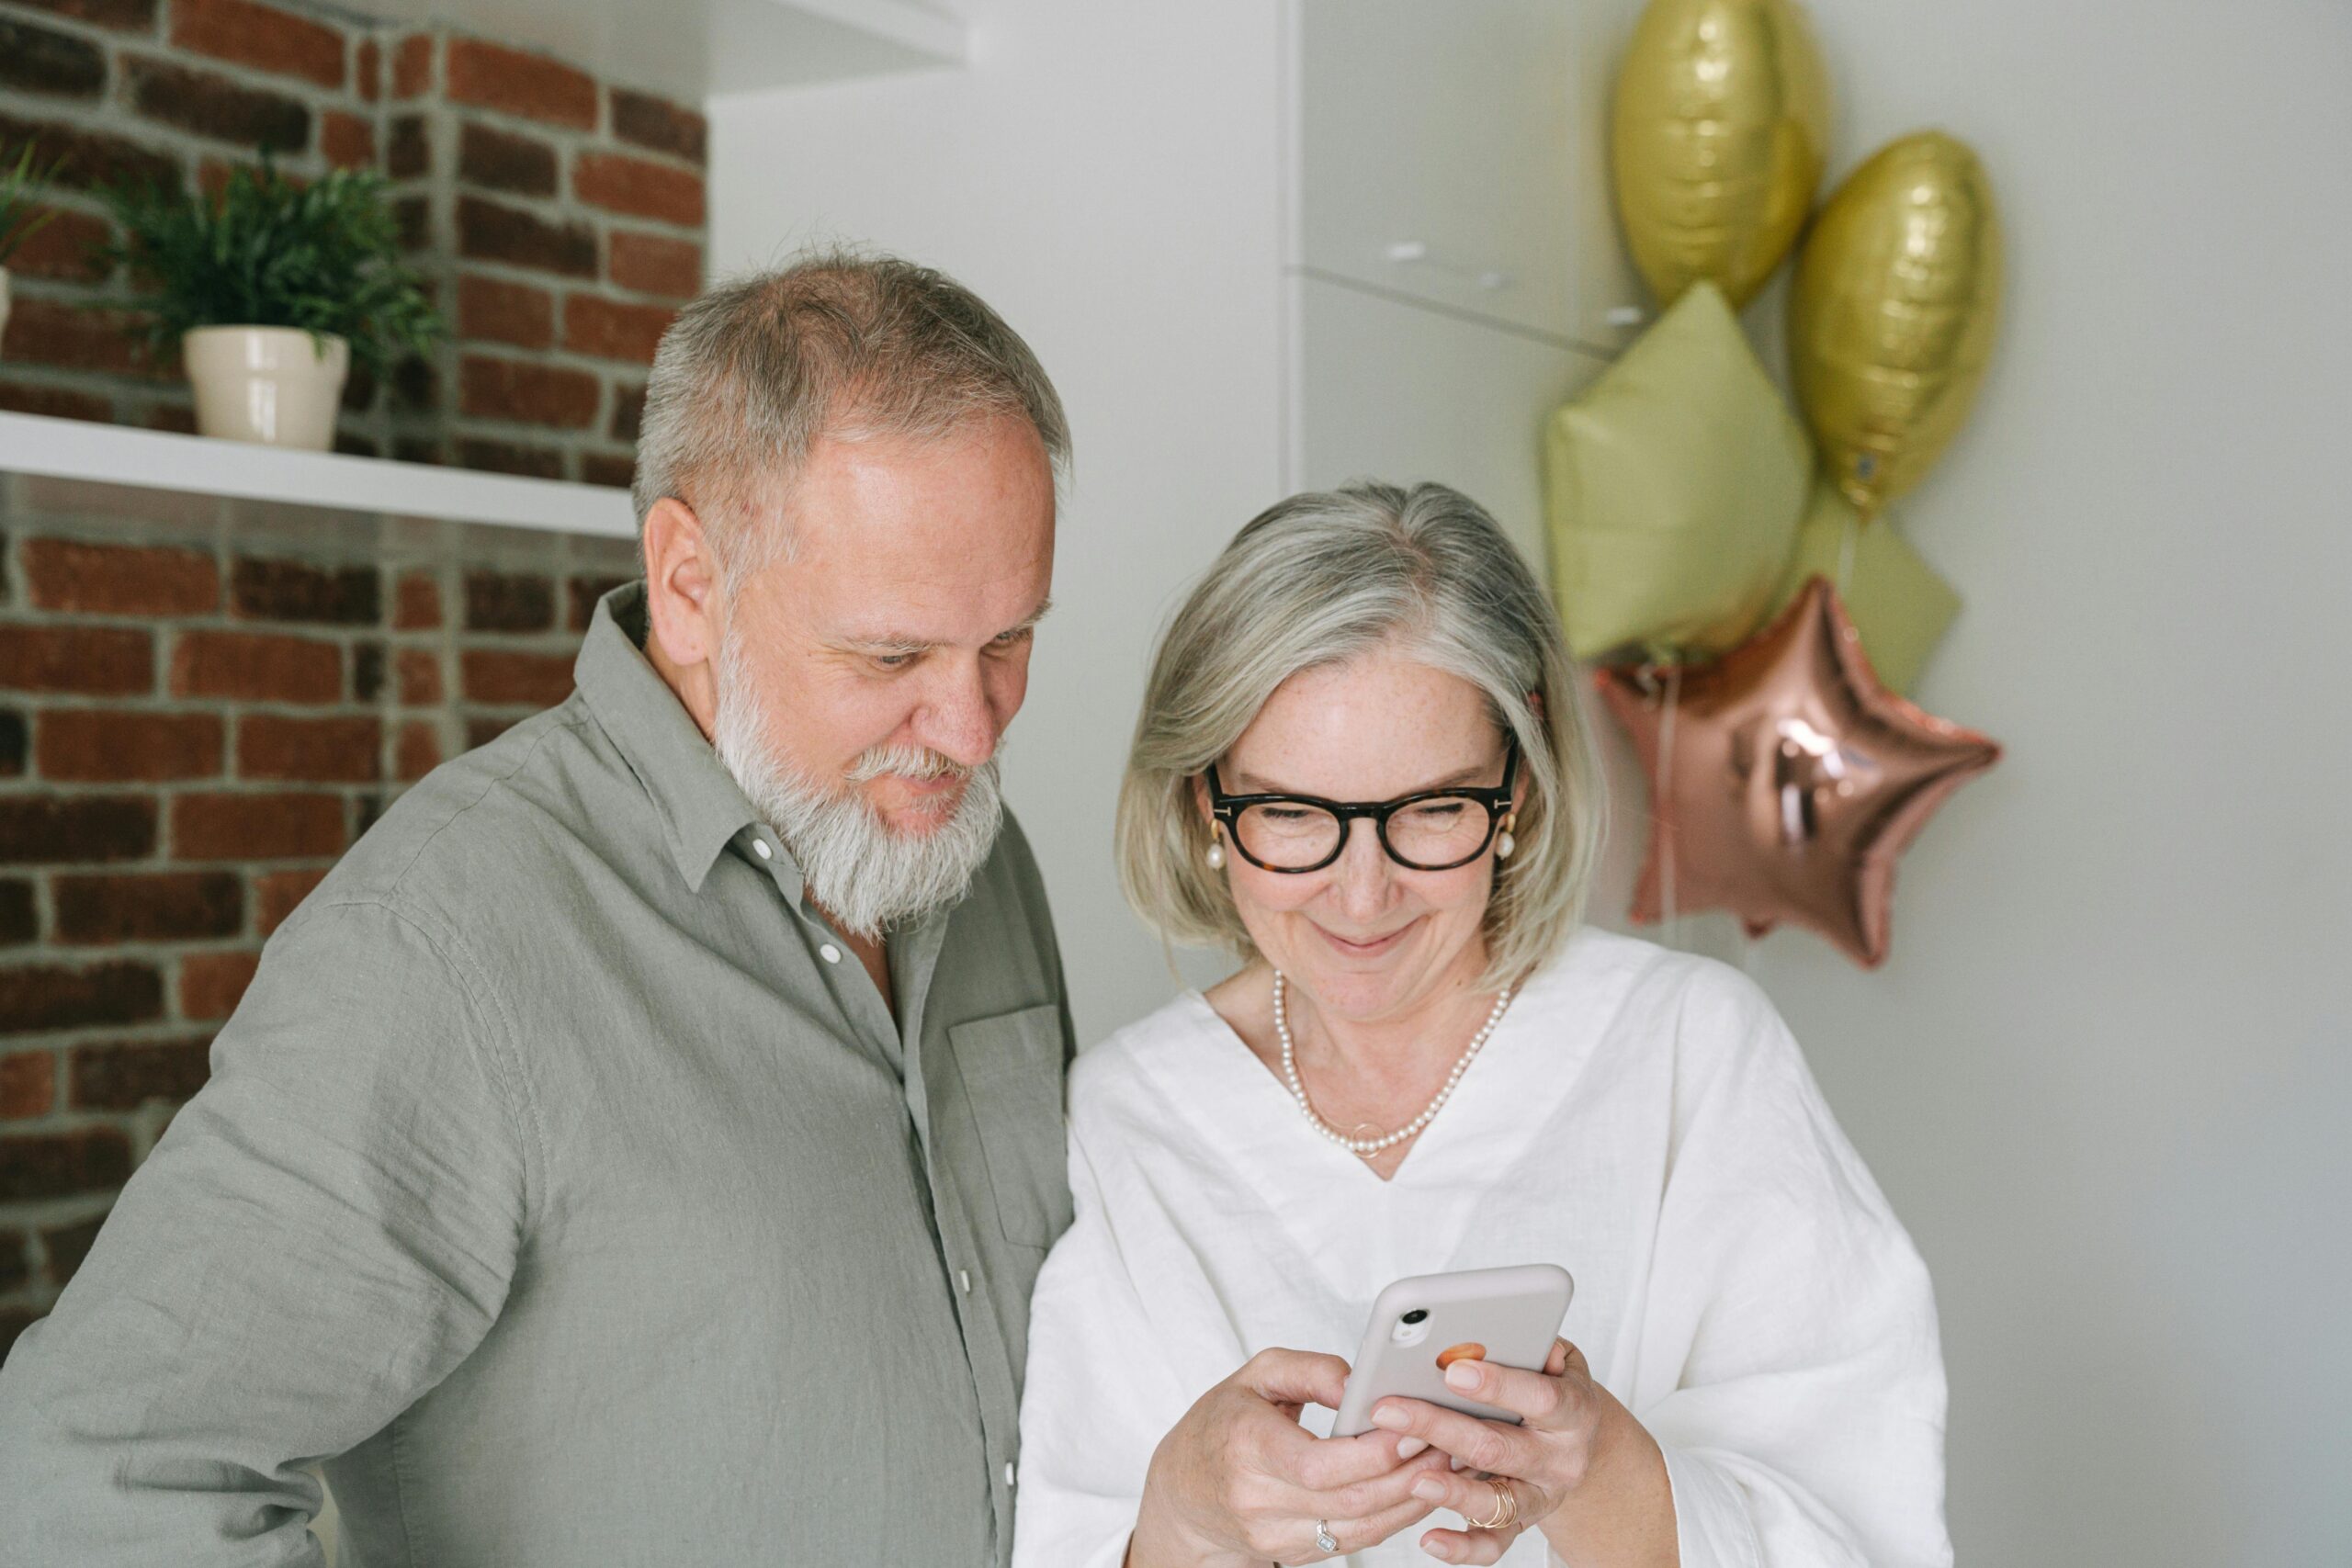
pixel 682 602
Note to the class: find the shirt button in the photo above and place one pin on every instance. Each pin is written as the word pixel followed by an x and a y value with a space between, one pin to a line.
pixel 760 848
pixel 964 1280
pixel 830 953
pixel 1008 1472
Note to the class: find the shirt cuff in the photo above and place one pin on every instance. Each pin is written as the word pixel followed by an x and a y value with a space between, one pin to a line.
pixel 1712 1524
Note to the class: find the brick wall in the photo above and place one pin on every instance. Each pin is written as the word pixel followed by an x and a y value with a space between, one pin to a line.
pixel 559 219
pixel 196 719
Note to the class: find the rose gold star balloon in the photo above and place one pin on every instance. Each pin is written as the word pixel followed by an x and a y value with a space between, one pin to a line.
pixel 1784 779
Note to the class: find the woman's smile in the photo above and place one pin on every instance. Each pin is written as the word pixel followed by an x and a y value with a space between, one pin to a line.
pixel 1371 948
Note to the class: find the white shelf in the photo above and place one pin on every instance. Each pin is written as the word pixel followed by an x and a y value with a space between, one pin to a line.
pixel 694 49
pixel 192 465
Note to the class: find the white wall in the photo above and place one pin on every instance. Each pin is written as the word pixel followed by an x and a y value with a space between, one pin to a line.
pixel 2104 1075
pixel 1105 176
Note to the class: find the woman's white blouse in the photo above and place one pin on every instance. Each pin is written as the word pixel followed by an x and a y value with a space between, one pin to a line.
pixel 1642 1118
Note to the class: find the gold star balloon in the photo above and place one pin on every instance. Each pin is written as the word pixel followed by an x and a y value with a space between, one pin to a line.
pixel 1785 779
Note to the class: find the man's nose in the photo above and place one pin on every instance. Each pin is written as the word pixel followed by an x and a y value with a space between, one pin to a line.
pixel 956 720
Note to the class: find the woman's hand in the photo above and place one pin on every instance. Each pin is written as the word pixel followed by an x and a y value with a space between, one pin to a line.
pixel 1237 1481
pixel 1578 1466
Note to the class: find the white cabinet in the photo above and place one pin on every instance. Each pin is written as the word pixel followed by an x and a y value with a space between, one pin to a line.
pixel 1456 152
pixel 1392 391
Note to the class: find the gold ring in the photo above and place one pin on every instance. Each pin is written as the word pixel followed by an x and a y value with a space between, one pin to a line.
pixel 1506 1507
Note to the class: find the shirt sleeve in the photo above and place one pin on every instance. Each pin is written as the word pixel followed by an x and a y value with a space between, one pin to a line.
pixel 1791 1369
pixel 324 1232
pixel 1098 1398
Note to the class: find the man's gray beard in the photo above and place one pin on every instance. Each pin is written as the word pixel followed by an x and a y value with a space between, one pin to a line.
pixel 860 872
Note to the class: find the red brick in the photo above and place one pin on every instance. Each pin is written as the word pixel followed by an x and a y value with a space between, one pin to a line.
pixel 368 70
pixel 67 1245
pixel 257 827
pixel 419 669
pixel 515 83
pixel 654 263
pixel 412 66
pixel 493 309
pixel 56 402
pixel 79 829
pixel 177 416
pixel 27 1085
pixel 119 580
pixel 660 125
pixel 97 662
pixel 503 161
pixel 120 746
pixel 310 751
pixel 177 906
pixel 489 231
pixel 614 470
pixel 91 159
pixel 262 37
pixel 527 392
pixel 123 16
pixel 417 605
pixel 495 676
pixel 271 589
pixel 629 411
pixel 208 104
pixel 347 141
pixel 410 151
pixel 126 1074
pixel 213 984
pixel 55 65
pixel 276 894
pixel 510 457
pixel 60 248
pixel 63 1165
pixel 255 667
pixel 366 671
pixel 54 333
pixel 509 602
pixel 51 996
pixel 19 920
pixel 419 751
pixel 619 182
pixel 606 329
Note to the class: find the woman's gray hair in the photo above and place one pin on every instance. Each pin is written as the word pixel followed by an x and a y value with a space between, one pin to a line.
pixel 1321 579
pixel 836 342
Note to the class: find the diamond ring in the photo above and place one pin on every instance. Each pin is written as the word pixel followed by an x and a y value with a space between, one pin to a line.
pixel 1324 1539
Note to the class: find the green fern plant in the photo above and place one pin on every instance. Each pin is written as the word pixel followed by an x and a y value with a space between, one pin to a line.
pixel 270 252
pixel 20 219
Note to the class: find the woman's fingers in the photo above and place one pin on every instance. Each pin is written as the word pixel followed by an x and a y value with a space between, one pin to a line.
pixel 1479 1445
pixel 1294 1377
pixel 1537 1398
pixel 1356 1535
pixel 1475 1498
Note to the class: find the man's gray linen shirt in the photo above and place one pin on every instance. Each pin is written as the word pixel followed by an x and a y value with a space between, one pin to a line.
pixel 565 1183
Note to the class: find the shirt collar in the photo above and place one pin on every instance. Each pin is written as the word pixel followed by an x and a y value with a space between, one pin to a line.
pixel 700 808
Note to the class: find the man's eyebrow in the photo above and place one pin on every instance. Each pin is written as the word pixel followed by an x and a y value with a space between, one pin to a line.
pixel 898 642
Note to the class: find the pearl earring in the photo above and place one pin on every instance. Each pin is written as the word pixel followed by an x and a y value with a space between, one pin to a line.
pixel 1216 854
pixel 1505 843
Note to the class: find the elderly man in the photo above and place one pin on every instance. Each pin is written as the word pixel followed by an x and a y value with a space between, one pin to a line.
pixel 641 1148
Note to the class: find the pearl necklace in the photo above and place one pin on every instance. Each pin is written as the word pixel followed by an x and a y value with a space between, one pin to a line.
pixel 1366 1146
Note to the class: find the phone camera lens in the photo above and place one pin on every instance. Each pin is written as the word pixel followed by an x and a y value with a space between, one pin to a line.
pixel 1416 1315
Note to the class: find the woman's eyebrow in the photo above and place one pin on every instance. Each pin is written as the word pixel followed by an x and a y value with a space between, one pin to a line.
pixel 1245 783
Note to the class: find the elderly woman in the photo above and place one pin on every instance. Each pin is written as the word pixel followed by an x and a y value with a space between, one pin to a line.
pixel 1360 764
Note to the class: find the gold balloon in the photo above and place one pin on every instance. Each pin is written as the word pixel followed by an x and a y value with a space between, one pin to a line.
pixel 1721 128
pixel 1891 316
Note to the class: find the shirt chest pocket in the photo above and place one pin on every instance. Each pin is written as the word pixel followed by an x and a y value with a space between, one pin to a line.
pixel 1011 1071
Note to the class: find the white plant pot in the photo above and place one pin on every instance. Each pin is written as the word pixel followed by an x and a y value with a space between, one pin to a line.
pixel 277 386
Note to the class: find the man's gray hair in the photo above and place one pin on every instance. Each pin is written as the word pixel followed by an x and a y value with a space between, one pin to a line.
pixel 836 342
pixel 1321 579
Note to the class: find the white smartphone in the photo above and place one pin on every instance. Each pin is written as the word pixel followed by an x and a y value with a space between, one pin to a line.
pixel 1423 1325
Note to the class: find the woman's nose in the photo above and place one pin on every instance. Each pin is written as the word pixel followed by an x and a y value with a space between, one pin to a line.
pixel 1360 877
